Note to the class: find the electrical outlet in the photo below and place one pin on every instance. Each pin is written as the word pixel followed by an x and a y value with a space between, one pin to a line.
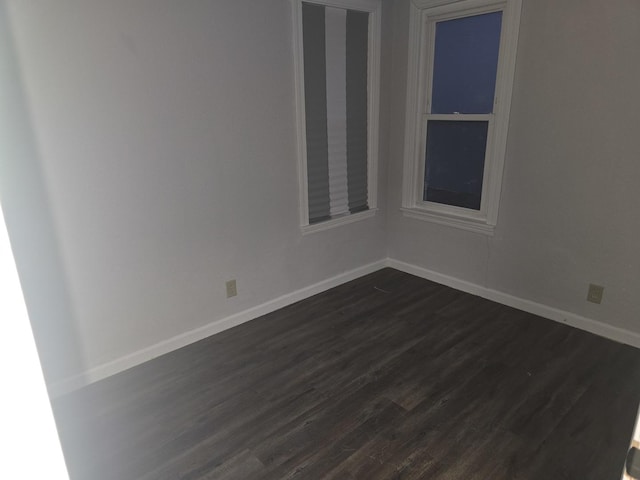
pixel 595 293
pixel 232 290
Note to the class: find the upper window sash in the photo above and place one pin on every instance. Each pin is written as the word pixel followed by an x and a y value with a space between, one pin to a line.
pixel 431 28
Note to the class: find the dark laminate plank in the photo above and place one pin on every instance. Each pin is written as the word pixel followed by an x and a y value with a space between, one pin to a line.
pixel 389 376
pixel 238 467
pixel 218 435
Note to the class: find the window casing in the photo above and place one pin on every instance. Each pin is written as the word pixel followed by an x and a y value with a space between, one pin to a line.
pixel 431 131
pixel 336 47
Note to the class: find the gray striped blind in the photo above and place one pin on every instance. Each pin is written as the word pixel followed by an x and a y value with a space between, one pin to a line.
pixel 335 49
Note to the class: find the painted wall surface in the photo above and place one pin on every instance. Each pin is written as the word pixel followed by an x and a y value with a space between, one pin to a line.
pixel 33 237
pixel 167 136
pixel 570 190
pixel 163 163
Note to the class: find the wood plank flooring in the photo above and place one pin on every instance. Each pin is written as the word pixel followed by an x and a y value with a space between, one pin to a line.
pixel 386 377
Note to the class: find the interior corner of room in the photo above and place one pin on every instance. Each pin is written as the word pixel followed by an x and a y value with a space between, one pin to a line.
pixel 150 175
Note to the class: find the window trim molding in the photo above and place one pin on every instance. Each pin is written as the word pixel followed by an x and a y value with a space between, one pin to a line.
pixel 373 7
pixel 337 221
pixel 421 40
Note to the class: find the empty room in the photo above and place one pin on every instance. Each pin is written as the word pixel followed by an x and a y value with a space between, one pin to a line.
pixel 327 239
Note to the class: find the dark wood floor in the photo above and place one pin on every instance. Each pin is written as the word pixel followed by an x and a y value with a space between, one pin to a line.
pixel 386 377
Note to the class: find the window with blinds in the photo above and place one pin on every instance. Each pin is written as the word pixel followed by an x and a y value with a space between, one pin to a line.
pixel 335 85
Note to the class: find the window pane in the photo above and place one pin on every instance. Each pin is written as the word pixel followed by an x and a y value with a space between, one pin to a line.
pixel 466 63
pixel 455 162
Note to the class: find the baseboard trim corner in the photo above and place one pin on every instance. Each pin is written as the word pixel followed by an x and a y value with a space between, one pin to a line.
pixel 65 386
pixel 611 332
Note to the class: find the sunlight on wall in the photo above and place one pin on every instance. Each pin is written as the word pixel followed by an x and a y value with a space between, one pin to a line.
pixel 29 443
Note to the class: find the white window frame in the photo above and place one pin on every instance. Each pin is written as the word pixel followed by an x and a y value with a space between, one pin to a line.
pixel 373 7
pixel 424 15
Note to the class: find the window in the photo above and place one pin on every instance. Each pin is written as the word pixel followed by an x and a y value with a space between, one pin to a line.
pixel 337 70
pixel 461 66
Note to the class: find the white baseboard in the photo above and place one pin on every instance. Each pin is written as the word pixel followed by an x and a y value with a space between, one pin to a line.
pixel 123 363
pixel 67 385
pixel 583 323
pixel 136 358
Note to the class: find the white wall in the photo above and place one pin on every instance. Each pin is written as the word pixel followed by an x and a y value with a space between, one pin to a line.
pixel 28 218
pixel 568 213
pixel 25 410
pixel 166 142
pixel 167 135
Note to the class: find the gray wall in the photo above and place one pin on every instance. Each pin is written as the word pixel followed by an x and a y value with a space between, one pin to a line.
pixel 568 208
pixel 163 164
pixel 167 136
pixel 33 237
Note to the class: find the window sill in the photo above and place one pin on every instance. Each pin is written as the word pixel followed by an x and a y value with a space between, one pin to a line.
pixel 472 225
pixel 336 222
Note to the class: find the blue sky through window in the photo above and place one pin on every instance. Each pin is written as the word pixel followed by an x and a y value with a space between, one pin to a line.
pixel 466 64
